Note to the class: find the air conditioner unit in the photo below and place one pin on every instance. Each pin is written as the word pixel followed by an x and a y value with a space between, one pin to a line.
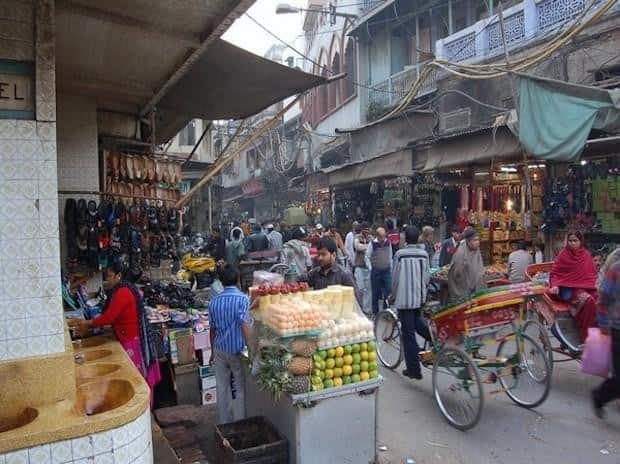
pixel 455 120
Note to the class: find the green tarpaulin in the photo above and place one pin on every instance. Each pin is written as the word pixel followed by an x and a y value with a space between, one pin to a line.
pixel 555 117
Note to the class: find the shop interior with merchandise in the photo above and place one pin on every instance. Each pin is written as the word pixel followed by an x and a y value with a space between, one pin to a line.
pixel 494 201
pixel 374 202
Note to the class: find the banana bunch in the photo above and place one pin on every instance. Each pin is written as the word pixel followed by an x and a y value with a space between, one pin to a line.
pixel 184 275
pixel 198 265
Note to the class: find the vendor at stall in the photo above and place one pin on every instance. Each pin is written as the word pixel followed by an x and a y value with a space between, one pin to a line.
pixel 328 272
pixel 124 311
pixel 518 261
pixel 467 272
pixel 573 279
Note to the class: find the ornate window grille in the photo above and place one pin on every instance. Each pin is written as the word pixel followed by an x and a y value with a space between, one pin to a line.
pixel 554 12
pixel 514 26
pixel 462 48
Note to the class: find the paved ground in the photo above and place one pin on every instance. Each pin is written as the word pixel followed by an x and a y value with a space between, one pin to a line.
pixel 562 430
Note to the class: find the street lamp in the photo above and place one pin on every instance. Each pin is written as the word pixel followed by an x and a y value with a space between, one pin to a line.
pixel 285 8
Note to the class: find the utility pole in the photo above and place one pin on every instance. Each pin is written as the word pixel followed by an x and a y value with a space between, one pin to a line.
pixel 210 208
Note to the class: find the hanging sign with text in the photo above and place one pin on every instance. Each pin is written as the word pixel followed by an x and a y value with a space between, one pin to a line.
pixel 16 90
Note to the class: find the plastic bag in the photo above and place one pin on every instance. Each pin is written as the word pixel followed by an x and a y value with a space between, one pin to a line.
pixel 266 278
pixel 596 357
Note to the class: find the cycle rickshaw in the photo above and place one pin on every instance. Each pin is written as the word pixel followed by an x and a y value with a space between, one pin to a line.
pixel 458 332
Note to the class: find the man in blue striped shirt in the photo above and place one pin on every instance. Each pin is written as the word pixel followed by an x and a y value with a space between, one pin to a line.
pixel 229 326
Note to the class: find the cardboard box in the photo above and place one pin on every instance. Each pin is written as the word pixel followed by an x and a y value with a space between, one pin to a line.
pixel 209 396
pixel 202 340
pixel 206 371
pixel 207 383
pixel 204 356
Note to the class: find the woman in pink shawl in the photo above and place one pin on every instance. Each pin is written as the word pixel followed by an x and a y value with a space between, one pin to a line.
pixel 573 279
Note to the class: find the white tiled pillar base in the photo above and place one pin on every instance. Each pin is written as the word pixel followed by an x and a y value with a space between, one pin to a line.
pixel 129 444
pixel 31 319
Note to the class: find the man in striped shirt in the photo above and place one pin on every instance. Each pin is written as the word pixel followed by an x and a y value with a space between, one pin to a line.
pixel 411 275
pixel 229 326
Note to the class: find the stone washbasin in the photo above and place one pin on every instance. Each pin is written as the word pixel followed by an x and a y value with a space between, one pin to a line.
pixel 89 342
pixel 93 355
pixel 93 371
pixel 25 417
pixel 105 395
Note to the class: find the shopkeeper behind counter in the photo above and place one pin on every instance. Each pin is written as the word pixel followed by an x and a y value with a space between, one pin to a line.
pixel 329 272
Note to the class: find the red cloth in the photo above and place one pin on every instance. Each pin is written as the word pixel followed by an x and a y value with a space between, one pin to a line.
pixel 586 317
pixel 122 315
pixel 573 269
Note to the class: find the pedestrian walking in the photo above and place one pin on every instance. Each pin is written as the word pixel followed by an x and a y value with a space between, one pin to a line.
pixel 362 270
pixel 466 275
pixel 349 244
pixel 229 329
pixel 393 235
pixel 410 280
pixel 379 261
pixel 449 246
pixel 274 237
pixel 235 249
pixel 609 322
pixel 427 238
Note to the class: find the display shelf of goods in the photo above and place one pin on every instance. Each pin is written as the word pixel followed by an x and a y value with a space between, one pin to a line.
pixel 344 365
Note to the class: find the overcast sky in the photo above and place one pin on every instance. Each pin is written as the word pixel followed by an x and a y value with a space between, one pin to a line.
pixel 245 34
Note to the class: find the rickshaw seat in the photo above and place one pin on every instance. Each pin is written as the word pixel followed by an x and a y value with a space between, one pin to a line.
pixel 557 306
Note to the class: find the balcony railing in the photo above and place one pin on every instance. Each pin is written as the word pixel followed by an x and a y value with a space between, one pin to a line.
pixel 523 23
pixel 390 91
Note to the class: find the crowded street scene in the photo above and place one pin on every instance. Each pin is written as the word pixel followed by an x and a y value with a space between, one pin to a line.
pixel 335 232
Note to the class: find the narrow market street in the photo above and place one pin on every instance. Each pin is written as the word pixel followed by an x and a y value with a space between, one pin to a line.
pixel 562 430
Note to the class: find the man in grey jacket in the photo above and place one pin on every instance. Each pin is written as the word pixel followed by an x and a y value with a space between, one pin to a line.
pixel 410 279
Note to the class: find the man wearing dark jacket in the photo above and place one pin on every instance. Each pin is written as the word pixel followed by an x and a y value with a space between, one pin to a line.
pixel 449 246
pixel 257 241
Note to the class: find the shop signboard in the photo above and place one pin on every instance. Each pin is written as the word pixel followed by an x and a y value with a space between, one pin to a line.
pixel 16 90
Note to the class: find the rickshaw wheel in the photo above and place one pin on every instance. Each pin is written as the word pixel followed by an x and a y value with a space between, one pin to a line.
pixel 457 388
pixel 526 377
pixel 539 333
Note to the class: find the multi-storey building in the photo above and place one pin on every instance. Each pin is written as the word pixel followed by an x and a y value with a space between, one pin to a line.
pixel 452 123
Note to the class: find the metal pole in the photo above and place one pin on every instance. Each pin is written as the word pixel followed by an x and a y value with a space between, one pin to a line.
pixel 450 18
pixel 210 208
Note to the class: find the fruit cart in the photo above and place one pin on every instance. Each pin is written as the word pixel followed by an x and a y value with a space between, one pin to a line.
pixel 459 334
pixel 314 373
pixel 331 426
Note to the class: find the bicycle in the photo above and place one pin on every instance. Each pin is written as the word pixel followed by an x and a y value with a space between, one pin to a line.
pixel 388 328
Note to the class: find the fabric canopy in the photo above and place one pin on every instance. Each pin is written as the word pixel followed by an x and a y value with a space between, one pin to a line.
pixel 555 117
pixel 228 82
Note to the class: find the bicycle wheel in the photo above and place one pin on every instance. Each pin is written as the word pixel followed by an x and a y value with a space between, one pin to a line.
pixel 526 376
pixel 457 388
pixel 538 332
pixel 387 336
